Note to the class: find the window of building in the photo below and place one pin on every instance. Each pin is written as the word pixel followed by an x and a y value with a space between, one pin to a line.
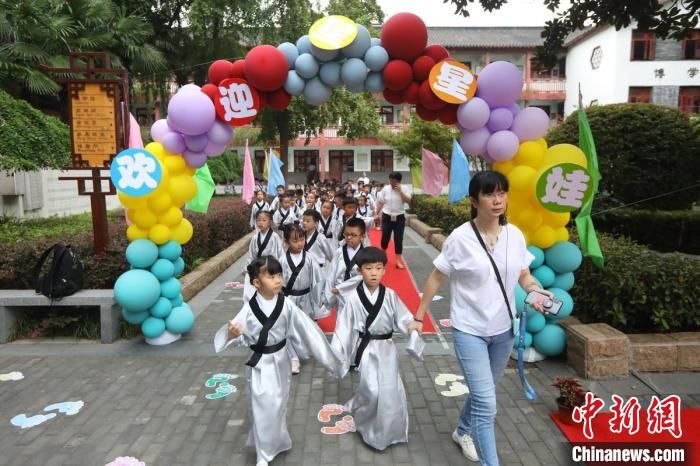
pixel 259 161
pixel 643 45
pixel 639 95
pixel 386 115
pixel 689 99
pixel 347 158
pixel 303 159
pixel 691 45
pixel 382 160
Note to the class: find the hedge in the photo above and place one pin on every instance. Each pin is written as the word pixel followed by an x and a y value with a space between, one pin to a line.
pixel 226 222
pixel 437 211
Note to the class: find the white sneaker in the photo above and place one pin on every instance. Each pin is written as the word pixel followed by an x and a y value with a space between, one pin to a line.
pixel 261 463
pixel 467 444
pixel 296 366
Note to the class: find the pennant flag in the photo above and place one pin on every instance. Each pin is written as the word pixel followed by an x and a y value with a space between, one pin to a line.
pixel 276 178
pixel 135 140
pixel 248 177
pixel 434 173
pixel 205 190
pixel 416 176
pixel 459 174
pixel 584 223
pixel 266 165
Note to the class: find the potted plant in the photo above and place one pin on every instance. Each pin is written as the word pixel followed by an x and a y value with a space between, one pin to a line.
pixel 571 394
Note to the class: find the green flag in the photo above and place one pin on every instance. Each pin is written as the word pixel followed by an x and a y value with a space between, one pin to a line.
pixel 584 223
pixel 205 190
pixel 417 175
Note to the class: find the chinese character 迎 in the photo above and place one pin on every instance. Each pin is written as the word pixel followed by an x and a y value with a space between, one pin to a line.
pixel 237 101
pixel 665 415
pixel 454 81
pixel 692 72
pixel 135 171
pixel 587 412
pixel 659 73
pixel 566 190
pixel 625 415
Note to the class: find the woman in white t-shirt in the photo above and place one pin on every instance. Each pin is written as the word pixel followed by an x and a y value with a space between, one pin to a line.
pixel 391 212
pixel 481 321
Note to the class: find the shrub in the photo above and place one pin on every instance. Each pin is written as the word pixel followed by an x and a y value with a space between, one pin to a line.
pixel 643 151
pixel 437 211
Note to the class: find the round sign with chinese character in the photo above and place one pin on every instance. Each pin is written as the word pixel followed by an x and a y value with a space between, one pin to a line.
pixel 452 81
pixel 333 32
pixel 564 187
pixel 237 102
pixel 135 172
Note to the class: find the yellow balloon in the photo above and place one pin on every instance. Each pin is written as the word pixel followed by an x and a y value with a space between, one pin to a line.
pixel 134 232
pixel 527 234
pixel 182 188
pixel 530 218
pixel 156 149
pixel 542 143
pixel 555 219
pixel 130 214
pixel 503 167
pixel 144 219
pixel 190 170
pixel 175 164
pixel 159 203
pixel 562 234
pixel 131 202
pixel 182 232
pixel 159 234
pixel 544 237
pixel 171 217
pixel 530 153
pixel 565 153
pixel 522 178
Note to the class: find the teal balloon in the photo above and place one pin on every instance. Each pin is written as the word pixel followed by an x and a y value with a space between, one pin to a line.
pixel 163 269
pixel 359 46
pixel 152 327
pixel 330 74
pixel 294 85
pixel 353 72
pixel 323 55
pixel 290 52
pixel 528 340
pixel 375 41
pixel 306 66
pixel 179 266
pixel 177 301
pixel 170 288
pixel 544 275
pixel 304 44
pixel 170 250
pixel 519 298
pixel 565 281
pixel 180 320
pixel 136 290
pixel 374 82
pixel 134 318
pixel 563 257
pixel 141 253
pixel 539 257
pixel 376 58
pixel 550 341
pixel 535 322
pixel 161 308
pixel 356 89
pixel 315 92
pixel 567 306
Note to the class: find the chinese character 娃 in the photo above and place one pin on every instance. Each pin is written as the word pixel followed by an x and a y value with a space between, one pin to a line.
pixel 566 190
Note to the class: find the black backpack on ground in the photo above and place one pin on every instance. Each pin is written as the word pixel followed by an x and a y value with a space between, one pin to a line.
pixel 64 277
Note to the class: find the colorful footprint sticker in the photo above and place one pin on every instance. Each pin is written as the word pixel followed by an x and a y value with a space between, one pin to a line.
pixel 343 426
pixel 24 422
pixel 223 389
pixel 234 285
pixel 456 388
pixel 12 376
pixel 69 408
pixel 126 461
pixel 447 323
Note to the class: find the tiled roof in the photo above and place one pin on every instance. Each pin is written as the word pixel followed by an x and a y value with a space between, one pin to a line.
pixel 486 37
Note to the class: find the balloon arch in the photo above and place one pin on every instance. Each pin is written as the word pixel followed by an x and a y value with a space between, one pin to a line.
pixel 155 183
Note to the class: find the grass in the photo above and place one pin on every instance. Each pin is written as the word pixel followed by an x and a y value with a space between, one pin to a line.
pixel 79 323
pixel 13 230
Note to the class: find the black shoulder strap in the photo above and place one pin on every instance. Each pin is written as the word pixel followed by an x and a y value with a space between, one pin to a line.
pixel 267 323
pixel 295 271
pixel 349 263
pixel 39 265
pixel 495 268
pixel 310 243
pixel 372 313
pixel 263 245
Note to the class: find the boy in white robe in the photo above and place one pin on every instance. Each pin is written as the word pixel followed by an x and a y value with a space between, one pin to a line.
pixel 325 223
pixel 317 244
pixel 264 243
pixel 260 204
pixel 342 266
pixel 284 215
pixel 275 203
pixel 363 208
pixel 349 212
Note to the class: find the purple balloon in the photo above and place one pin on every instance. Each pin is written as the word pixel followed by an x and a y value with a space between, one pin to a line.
pixel 212 150
pixel 195 159
pixel 220 133
pixel 514 108
pixel 158 129
pixel 499 83
pixel 500 119
pixel 474 142
pixel 487 158
pixel 191 87
pixel 191 113
pixel 197 143
pixel 530 124
pixel 502 146
pixel 473 114
pixel 173 142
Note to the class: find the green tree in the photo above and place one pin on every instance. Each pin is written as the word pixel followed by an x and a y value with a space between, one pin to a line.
pixel 226 168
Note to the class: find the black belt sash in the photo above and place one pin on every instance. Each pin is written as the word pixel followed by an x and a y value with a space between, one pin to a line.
pixel 372 313
pixel 262 245
pixel 260 347
pixel 309 243
pixel 349 263
pixel 288 289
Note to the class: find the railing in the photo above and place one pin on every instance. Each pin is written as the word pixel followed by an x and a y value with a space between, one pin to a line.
pixel 331 132
pixel 546 85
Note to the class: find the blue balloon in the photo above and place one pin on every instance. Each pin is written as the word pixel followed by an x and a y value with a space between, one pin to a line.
pixel 170 288
pixel 180 320
pixel 535 323
pixel 316 92
pixel 177 300
pixel 376 58
pixel 359 45
pixel 563 257
pixel 330 73
pixel 304 44
pixel 153 327
pixel 375 82
pixel 323 55
pixel 136 290
pixel 567 306
pixel 161 308
pixel 565 281
pixel 550 341
pixel 544 275
pixel 306 66
pixel 539 256
pixel 163 269
pixel 290 52
pixel 519 298
pixel 170 250
pixel 294 85
pixel 356 89
pixel 528 340
pixel 142 253
pixel 179 266
pixel 134 318
pixel 353 72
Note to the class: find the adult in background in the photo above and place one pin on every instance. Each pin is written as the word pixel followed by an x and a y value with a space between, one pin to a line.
pixel 482 322
pixel 363 179
pixel 390 207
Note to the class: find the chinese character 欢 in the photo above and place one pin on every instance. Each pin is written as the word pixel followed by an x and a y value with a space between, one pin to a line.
pixel 587 412
pixel 454 81
pixel 566 190
pixel 659 73
pixel 625 415
pixel 237 100
pixel 135 171
pixel 665 415
pixel 692 72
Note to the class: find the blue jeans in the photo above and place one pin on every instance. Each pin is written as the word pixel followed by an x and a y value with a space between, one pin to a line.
pixel 483 360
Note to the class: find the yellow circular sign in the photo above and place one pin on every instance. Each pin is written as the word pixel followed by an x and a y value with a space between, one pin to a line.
pixel 333 32
pixel 452 81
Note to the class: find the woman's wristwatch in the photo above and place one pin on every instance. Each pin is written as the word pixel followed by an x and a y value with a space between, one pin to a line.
pixel 418 320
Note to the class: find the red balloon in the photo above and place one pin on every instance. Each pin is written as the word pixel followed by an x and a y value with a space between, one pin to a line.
pixel 279 99
pixel 404 36
pixel 393 97
pixel 425 113
pixel 429 100
pixel 240 103
pixel 436 52
pixel 422 67
pixel 448 115
pixel 238 69
pixel 219 70
pixel 410 94
pixel 210 90
pixel 397 75
pixel 266 67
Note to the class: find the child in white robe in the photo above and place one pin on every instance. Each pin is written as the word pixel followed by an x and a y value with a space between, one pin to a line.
pixel 284 215
pixel 260 204
pixel 363 208
pixel 349 212
pixel 342 266
pixel 264 243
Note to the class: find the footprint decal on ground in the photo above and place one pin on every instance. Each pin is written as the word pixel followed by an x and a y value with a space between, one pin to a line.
pixel 24 422
pixel 456 387
pixel 11 377
pixel 126 461
pixel 343 426
pixel 223 389
pixel 69 408
pixel 447 323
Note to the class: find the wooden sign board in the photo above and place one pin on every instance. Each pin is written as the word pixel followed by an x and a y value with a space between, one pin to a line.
pixel 94 124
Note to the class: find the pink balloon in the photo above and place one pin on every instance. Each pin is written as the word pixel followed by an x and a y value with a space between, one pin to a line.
pixel 474 142
pixel 213 150
pixel 473 114
pixel 502 146
pixel 500 119
pixel 158 129
pixel 195 159
pixel 499 83
pixel 530 123
pixel 173 142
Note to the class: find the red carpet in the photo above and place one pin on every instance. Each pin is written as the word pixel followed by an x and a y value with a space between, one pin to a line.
pixel 400 281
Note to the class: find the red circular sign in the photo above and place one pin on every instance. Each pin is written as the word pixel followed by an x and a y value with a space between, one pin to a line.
pixel 237 102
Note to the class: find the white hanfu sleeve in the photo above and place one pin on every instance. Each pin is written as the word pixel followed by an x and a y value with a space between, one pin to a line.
pixel 403 317
pixel 345 337
pixel 318 289
pixel 221 340
pixel 309 341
